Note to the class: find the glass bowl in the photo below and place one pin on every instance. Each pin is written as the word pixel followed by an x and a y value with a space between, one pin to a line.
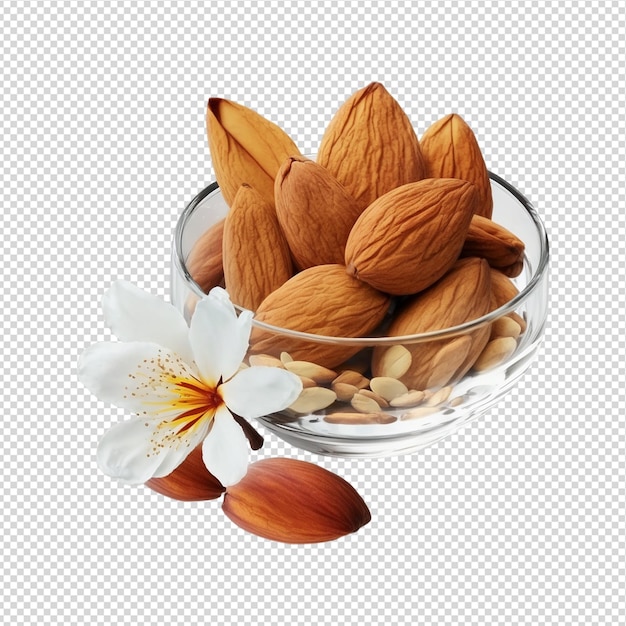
pixel 389 418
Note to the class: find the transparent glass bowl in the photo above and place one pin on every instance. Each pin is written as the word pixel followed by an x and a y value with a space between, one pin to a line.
pixel 397 422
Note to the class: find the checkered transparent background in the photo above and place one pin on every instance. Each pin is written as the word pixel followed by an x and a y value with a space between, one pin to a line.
pixel 517 519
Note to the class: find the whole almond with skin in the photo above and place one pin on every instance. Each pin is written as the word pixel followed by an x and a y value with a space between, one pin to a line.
pixel 370 146
pixel 245 148
pixel 451 150
pixel 204 263
pixel 256 256
pixel 190 481
pixel 323 300
pixel 498 245
pixel 502 289
pixel 410 237
pixel 294 502
pixel 315 212
pixel 463 294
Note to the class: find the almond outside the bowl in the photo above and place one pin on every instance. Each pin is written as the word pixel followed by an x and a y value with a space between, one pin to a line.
pixel 190 481
pixel 292 501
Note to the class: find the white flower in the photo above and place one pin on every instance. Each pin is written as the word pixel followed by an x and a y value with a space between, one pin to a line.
pixel 181 381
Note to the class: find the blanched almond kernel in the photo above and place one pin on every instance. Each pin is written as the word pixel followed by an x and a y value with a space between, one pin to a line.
pixel 495 352
pixel 359 418
pixel 344 391
pixel 307 382
pixel 350 377
pixel 516 317
pixel 364 404
pixel 265 360
pixel 411 398
pixel 395 362
pixel 311 370
pixel 388 388
pixel 313 399
pixel 374 396
pixel 440 396
pixel 417 412
pixel 285 357
pixel 505 327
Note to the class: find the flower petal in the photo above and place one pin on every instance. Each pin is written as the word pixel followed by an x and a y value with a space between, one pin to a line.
pixel 136 315
pixel 142 448
pixel 225 449
pixel 123 451
pixel 259 390
pixel 219 339
pixel 136 376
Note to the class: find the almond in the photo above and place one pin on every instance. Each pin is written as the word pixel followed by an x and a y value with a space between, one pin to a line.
pixel 315 212
pixel 370 146
pixel 294 502
pixel 323 300
pixel 451 150
pixel 463 294
pixel 190 481
pixel 410 237
pixel 245 148
pixel 256 256
pixel 486 239
pixel 502 289
pixel 204 263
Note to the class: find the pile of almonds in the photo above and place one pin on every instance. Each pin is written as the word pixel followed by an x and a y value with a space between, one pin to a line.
pixel 382 235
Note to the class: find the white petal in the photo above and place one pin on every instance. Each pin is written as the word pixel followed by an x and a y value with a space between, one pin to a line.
pixel 135 315
pixel 139 449
pixel 134 376
pixel 124 451
pixel 258 390
pixel 225 449
pixel 219 339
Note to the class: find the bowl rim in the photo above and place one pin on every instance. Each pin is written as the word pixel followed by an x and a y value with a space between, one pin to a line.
pixel 509 307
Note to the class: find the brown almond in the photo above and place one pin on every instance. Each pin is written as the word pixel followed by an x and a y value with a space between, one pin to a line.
pixel 190 481
pixel 490 241
pixel 256 256
pixel 410 237
pixel 502 289
pixel 245 148
pixel 451 150
pixel 460 296
pixel 294 502
pixel 204 262
pixel 315 212
pixel 322 300
pixel 370 146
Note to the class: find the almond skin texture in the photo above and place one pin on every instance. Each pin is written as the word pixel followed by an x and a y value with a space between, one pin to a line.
pixel 451 150
pixel 245 148
pixel 205 263
pixel 315 212
pixel 502 289
pixel 410 237
pixel 190 481
pixel 256 255
pixel 370 146
pixel 462 295
pixel 499 246
pixel 295 502
pixel 322 300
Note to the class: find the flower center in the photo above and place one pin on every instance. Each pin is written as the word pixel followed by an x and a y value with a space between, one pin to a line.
pixel 195 400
